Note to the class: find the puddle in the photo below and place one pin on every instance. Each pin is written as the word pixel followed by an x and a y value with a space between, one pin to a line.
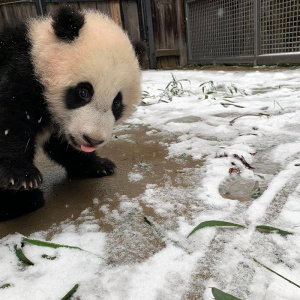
pixel 241 189
pixel 188 119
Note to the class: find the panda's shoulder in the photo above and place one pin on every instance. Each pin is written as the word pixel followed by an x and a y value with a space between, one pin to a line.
pixel 14 41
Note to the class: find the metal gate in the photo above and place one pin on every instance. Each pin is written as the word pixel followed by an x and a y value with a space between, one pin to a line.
pixel 248 31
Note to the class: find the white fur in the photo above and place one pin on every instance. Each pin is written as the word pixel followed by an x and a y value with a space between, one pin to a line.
pixel 101 55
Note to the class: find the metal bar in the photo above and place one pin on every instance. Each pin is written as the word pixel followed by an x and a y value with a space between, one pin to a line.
pixel 225 60
pixel 266 59
pixel 188 43
pixel 38 8
pixel 122 14
pixel 18 1
pixel 61 1
pixel 43 7
pixel 279 58
pixel 257 6
pixel 141 21
pixel 150 35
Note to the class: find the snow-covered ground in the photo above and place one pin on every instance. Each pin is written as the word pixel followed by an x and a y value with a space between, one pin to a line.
pixel 229 121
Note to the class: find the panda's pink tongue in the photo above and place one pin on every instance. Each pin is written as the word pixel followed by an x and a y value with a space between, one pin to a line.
pixel 87 149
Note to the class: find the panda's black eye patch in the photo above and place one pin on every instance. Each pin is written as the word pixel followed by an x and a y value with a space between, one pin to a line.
pixel 79 95
pixel 118 106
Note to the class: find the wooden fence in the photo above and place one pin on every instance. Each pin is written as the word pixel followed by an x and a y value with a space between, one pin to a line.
pixel 159 22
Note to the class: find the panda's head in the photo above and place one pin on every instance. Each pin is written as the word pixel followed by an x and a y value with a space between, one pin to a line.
pixel 90 73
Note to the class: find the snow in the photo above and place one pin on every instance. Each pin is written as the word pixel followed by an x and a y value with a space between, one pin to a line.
pixel 132 176
pixel 159 261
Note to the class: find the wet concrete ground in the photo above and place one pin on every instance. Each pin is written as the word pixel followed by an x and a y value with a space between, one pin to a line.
pixel 66 199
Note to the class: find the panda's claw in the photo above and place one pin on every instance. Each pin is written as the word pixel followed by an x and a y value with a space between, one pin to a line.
pixel 18 175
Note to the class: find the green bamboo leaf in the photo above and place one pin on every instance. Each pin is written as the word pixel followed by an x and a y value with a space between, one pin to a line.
pixel 226 104
pixel 147 221
pixel 48 257
pixel 70 293
pixel 21 256
pixel 6 285
pixel 213 223
pixel 276 273
pixel 219 295
pixel 277 230
pixel 47 244
pixel 256 193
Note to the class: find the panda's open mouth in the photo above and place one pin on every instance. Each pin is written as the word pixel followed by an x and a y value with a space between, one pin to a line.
pixel 82 147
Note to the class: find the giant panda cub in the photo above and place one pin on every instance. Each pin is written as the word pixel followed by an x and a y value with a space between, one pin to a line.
pixel 65 81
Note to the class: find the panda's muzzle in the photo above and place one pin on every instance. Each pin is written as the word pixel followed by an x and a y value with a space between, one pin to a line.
pixel 92 142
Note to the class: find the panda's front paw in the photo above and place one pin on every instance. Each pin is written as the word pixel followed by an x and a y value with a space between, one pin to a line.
pixel 97 167
pixel 15 175
pixel 103 167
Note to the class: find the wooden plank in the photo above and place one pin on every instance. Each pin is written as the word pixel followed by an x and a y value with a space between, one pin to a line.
pixel 167 62
pixel 181 32
pixel 115 12
pixel 88 5
pixel 130 19
pixel 104 7
pixel 167 52
pixel 50 7
pixel 166 36
pixel 14 13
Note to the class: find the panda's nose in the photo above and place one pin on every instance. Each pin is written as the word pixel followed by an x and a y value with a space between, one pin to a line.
pixel 91 141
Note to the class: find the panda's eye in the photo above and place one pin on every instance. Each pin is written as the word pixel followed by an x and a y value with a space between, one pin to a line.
pixel 116 104
pixel 84 94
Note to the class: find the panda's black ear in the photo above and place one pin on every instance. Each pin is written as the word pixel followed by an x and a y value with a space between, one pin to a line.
pixel 140 49
pixel 67 21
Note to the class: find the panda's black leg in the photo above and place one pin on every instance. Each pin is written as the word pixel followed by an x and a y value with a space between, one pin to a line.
pixel 77 163
pixel 16 203
pixel 17 149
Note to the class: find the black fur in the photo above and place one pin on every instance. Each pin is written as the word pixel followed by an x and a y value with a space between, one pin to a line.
pixel 140 49
pixel 14 203
pixel 118 106
pixel 23 114
pixel 19 90
pixel 74 98
pixel 67 22
pixel 77 163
